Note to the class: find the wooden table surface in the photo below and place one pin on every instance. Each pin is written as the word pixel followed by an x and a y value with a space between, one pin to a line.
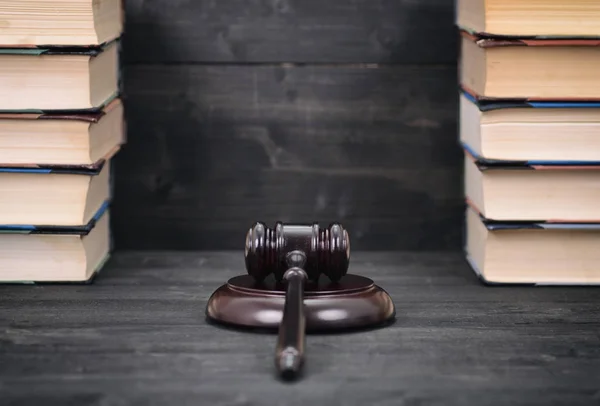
pixel 137 335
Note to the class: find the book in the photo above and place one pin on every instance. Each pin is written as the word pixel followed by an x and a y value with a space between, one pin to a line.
pixel 535 132
pixel 533 69
pixel 61 123
pixel 537 253
pixel 54 254
pixel 53 195
pixel 49 22
pixel 58 79
pixel 61 139
pixel 530 18
pixel 522 191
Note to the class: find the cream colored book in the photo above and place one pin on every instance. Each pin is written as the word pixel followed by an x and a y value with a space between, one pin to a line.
pixel 66 22
pixel 61 139
pixel 58 79
pixel 530 69
pixel 553 18
pixel 58 196
pixel 557 133
pixel 532 253
pixel 54 254
pixel 527 192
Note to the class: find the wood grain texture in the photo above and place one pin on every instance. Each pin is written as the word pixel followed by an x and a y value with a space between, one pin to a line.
pixel 211 149
pixel 138 336
pixel 305 31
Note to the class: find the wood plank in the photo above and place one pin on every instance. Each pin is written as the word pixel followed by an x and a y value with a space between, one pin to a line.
pixel 307 31
pixel 212 149
pixel 138 336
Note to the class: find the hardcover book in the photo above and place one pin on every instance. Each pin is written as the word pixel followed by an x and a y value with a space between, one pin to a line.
pixel 56 79
pixel 31 23
pixel 61 138
pixel 535 132
pixel 65 195
pixel 529 252
pixel 30 253
pixel 530 18
pixel 525 191
pixel 530 69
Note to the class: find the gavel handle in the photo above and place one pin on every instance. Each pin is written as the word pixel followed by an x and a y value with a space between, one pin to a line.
pixel 289 356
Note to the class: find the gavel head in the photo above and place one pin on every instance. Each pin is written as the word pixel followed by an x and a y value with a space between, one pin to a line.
pixel 317 251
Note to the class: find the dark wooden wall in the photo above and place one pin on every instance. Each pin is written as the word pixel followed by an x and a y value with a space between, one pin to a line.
pixel 293 110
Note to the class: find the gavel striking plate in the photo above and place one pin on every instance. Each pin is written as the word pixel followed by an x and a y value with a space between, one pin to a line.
pixel 297 282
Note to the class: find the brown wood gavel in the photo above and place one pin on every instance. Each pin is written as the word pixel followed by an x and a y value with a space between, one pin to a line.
pixel 295 254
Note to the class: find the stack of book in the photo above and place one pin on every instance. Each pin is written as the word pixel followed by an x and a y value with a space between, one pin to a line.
pixel 61 123
pixel 529 75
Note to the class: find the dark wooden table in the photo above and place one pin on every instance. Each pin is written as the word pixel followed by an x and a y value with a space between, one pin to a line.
pixel 138 336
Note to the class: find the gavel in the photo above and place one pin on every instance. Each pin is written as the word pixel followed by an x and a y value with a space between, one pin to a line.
pixel 294 255
pixel 297 282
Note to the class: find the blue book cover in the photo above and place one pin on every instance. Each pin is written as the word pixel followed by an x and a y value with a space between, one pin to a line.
pixel 90 170
pixel 82 229
pixel 499 225
pixel 488 104
pixel 487 163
